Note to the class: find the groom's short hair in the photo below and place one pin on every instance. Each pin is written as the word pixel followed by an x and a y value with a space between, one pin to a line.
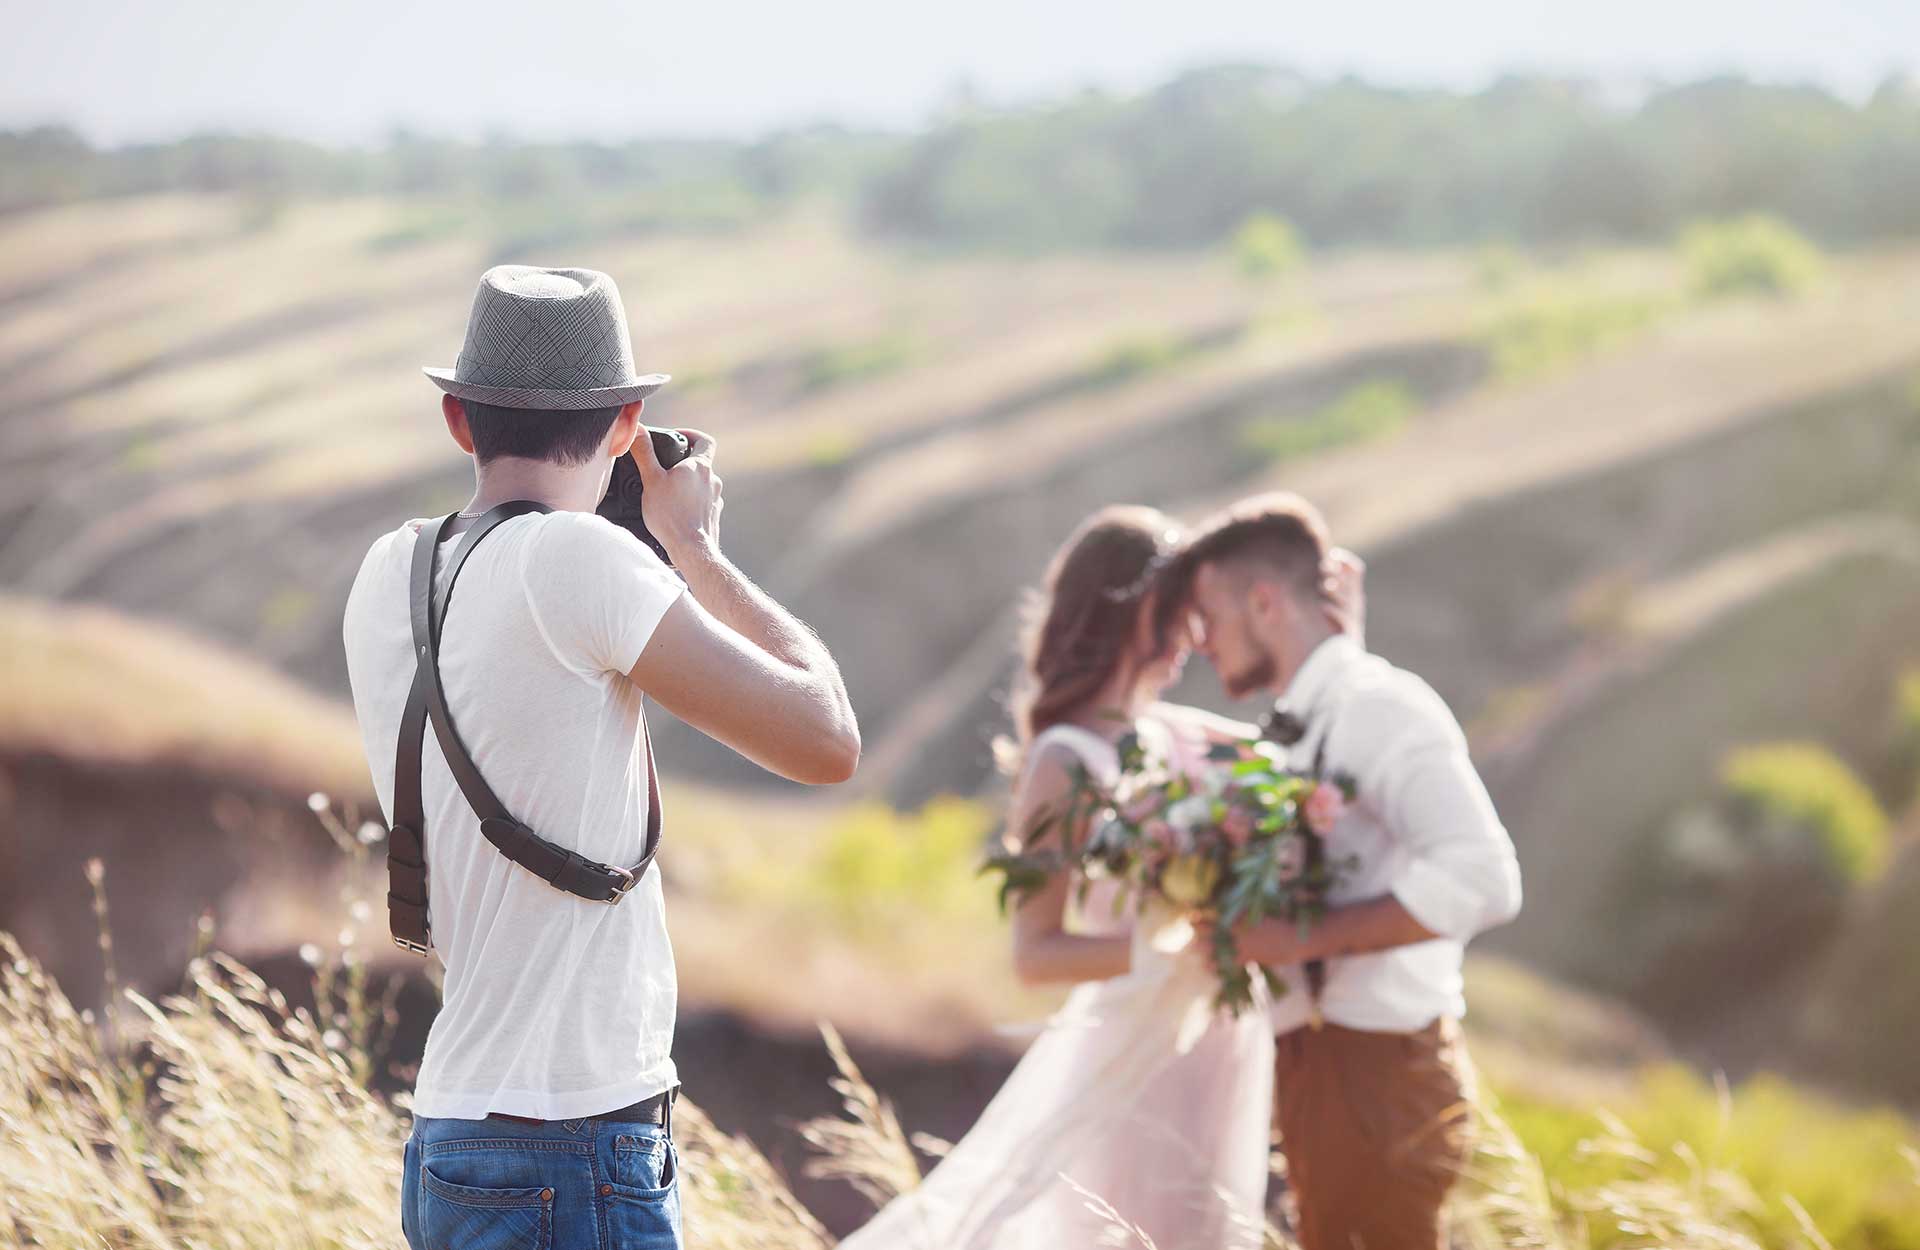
pixel 1280 534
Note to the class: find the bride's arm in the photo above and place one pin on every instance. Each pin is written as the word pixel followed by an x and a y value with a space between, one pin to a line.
pixel 1044 953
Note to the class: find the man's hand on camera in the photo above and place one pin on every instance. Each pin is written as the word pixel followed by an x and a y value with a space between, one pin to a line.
pixel 726 658
pixel 681 505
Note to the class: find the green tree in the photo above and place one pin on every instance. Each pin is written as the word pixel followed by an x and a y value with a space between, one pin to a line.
pixel 1750 255
pixel 1265 246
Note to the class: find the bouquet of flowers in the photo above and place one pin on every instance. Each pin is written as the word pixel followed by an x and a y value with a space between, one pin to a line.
pixel 1234 837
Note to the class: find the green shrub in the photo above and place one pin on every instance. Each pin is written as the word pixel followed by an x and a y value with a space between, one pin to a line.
pixel 698 379
pixel 1740 1155
pixel 1906 712
pixel 1497 266
pixel 1366 412
pixel 1138 356
pixel 1543 333
pixel 831 448
pixel 420 226
pixel 1266 246
pixel 876 862
pixel 1804 785
pixel 844 363
pixel 1751 255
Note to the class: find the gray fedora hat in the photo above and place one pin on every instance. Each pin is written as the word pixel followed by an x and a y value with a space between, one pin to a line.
pixel 546 338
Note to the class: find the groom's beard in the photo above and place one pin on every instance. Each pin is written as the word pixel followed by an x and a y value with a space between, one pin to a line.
pixel 1259 673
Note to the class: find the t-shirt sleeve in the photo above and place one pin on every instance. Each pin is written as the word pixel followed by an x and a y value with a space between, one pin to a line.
pixel 597 592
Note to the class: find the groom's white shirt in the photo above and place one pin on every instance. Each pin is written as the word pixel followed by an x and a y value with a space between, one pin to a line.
pixel 1422 829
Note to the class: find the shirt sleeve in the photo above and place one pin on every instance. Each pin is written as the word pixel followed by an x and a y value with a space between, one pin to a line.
pixel 1460 876
pixel 598 593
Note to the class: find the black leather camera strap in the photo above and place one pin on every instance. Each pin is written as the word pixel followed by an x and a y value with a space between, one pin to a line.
pixel 427 701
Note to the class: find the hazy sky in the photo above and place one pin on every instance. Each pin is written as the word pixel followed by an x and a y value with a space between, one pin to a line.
pixel 352 69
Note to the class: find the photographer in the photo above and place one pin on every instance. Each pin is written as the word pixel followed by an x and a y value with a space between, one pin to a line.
pixel 522 784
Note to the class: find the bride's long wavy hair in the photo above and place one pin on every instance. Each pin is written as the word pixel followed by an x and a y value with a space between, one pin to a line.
pixel 1080 626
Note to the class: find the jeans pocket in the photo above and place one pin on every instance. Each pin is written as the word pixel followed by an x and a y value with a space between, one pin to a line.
pixel 455 1216
pixel 643 1196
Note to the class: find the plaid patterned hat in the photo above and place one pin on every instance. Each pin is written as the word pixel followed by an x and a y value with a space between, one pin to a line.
pixel 546 338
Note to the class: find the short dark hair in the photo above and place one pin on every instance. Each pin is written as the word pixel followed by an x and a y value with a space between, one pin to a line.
pixel 1280 531
pixel 558 437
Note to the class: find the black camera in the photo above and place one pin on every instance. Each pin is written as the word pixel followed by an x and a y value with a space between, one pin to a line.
pixel 622 502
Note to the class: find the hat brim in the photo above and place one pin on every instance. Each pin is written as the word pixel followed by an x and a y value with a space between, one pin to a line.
pixel 566 401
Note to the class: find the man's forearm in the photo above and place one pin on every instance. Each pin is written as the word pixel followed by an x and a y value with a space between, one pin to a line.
pixel 732 598
pixel 1355 929
pixel 1363 928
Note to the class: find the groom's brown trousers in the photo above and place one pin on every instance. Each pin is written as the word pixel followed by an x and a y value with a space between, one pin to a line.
pixel 1375 1129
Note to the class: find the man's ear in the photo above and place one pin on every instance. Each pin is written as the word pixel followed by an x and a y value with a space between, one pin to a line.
pixel 626 429
pixel 1262 600
pixel 456 414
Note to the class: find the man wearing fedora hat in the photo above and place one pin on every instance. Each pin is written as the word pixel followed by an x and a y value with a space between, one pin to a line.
pixel 543 1105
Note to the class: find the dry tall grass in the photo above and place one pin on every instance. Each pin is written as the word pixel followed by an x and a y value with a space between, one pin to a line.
pixel 237 1122
pixel 221 1118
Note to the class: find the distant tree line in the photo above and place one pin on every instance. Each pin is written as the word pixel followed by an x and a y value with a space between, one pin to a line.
pixel 54 164
pixel 1526 160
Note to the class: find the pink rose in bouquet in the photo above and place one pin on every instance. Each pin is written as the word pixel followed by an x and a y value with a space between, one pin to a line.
pixel 1238 826
pixel 1324 808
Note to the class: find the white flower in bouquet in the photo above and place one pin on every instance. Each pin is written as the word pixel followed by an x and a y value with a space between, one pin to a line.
pixel 1190 813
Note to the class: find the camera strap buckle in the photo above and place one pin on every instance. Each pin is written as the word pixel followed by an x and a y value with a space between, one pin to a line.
pixel 622 887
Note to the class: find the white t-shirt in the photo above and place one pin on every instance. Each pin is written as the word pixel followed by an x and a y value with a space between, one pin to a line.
pixel 555 1006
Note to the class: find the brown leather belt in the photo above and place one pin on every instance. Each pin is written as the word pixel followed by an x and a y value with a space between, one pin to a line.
pixel 655 1110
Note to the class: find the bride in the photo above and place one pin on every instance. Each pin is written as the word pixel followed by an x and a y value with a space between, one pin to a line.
pixel 1122 1112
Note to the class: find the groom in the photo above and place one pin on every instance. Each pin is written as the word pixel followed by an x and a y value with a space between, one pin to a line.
pixel 1372 1083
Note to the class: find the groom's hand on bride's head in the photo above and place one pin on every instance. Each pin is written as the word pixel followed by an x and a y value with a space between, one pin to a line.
pixel 1343 588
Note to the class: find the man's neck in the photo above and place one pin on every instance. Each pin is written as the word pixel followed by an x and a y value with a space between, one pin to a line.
pixel 564 488
pixel 1300 649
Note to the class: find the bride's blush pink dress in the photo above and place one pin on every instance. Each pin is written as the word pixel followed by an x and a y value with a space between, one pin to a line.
pixel 1105 1098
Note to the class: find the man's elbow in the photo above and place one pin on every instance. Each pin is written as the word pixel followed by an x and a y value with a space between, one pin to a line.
pixel 1505 905
pixel 834 759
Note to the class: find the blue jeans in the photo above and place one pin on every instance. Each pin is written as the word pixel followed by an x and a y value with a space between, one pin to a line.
pixel 565 1185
